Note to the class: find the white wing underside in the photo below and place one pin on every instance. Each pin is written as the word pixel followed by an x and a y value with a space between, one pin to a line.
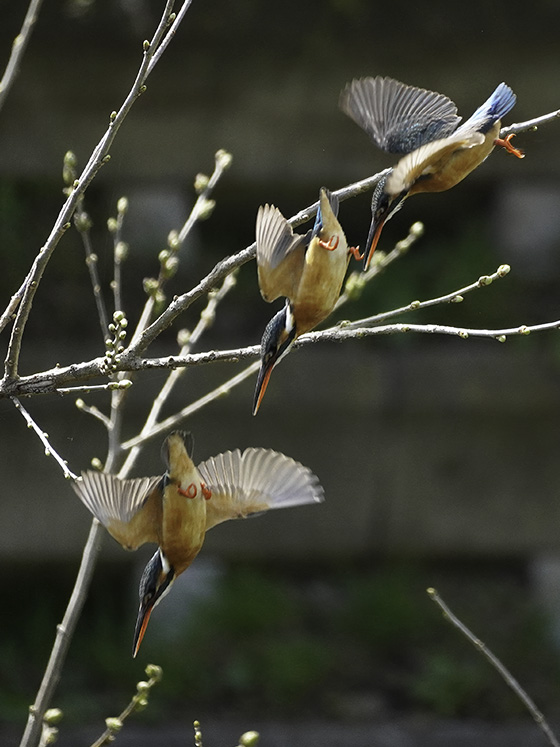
pixel 253 481
pixel 109 498
pixel 425 160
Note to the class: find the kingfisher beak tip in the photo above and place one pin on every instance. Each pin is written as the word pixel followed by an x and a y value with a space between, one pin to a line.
pixel 368 254
pixel 262 383
pixel 141 625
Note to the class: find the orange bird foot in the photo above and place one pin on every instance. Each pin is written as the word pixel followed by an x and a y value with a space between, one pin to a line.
pixel 330 245
pixel 190 492
pixel 356 253
pixel 506 143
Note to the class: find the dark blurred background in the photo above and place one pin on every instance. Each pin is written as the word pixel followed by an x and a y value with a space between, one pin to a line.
pixel 438 455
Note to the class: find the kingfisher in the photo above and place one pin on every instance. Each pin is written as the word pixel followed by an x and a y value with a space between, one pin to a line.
pixel 423 127
pixel 177 509
pixel 308 270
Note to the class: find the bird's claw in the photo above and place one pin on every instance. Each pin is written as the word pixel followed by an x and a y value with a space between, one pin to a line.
pixel 356 253
pixel 329 245
pixel 506 143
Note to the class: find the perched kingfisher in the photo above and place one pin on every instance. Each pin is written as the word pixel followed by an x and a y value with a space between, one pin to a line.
pixel 307 269
pixel 177 509
pixel 424 127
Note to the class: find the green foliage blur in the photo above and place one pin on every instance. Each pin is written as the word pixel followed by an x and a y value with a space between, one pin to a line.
pixel 352 642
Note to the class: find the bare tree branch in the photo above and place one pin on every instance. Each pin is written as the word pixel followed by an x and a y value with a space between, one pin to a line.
pixel 18 48
pixel 506 675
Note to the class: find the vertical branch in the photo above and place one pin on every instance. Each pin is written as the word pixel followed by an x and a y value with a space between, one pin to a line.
pixel 64 633
pixel 120 252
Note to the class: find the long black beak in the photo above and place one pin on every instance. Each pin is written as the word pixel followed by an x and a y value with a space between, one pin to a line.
pixel 262 382
pixel 372 240
pixel 141 624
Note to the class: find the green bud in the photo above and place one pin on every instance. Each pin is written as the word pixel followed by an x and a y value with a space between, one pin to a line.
pixel 413 305
pixel 170 267
pixel 142 687
pixel 97 464
pixel 503 270
pixel 163 256
pixel 112 116
pixel 183 337
pixel 154 672
pixel 121 251
pixel 118 316
pixel 114 724
pixel 200 183
pixel 173 241
pixel 146 45
pixel 485 280
pixel 501 338
pixel 82 221
pixel 53 716
pixel 140 703
pixel 457 299
pixel 206 209
pixel 223 159
pixel 112 225
pixel 417 229
pixel 464 335
pixel 80 404
pixel 249 739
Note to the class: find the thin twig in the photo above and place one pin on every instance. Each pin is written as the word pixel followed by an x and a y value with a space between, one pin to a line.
pixel 453 297
pixel 138 701
pixel 18 48
pixel 222 162
pixel 151 427
pixel 506 675
pixel 530 124
pixel 44 438
pixel 94 412
pixel 174 420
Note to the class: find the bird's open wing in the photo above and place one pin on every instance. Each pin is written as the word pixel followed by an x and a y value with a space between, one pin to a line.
pixel 494 108
pixel 280 254
pixel 427 159
pixel 130 510
pixel 397 117
pixel 253 481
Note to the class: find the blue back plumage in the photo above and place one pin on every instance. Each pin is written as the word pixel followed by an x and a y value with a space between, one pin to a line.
pixel 334 203
pixel 494 108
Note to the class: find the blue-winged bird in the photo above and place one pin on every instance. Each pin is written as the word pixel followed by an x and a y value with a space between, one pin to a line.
pixel 308 270
pixel 176 510
pixel 423 126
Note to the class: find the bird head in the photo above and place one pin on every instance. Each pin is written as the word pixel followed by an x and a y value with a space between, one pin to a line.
pixel 156 581
pixel 277 339
pixel 383 206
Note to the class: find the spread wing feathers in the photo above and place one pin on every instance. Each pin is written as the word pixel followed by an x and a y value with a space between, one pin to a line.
pixel 494 108
pixel 130 510
pixel 255 480
pixel 426 160
pixel 280 254
pixel 397 117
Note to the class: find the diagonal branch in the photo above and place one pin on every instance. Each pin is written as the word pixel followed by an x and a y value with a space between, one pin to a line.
pixel 18 48
pixel 504 673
